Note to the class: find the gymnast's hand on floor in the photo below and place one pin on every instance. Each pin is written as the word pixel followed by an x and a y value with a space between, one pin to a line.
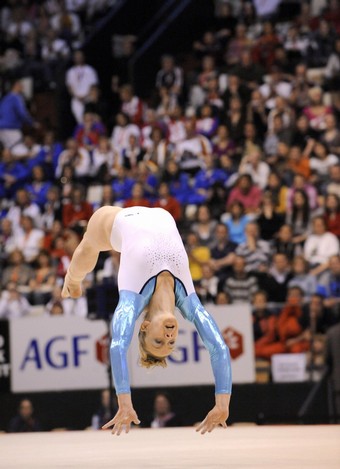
pixel 71 289
pixel 214 418
pixel 122 420
pixel 217 416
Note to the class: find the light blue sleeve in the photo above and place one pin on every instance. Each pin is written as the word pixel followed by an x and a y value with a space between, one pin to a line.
pixel 129 307
pixel 193 310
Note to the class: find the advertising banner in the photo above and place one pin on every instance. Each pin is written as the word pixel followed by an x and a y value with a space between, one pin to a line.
pixel 58 353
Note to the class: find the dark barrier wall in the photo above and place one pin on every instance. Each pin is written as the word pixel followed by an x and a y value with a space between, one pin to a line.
pixel 258 403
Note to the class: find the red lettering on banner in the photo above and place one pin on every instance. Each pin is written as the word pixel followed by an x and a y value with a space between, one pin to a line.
pixel 102 349
pixel 234 340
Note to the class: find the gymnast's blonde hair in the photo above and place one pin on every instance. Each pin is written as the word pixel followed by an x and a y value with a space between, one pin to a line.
pixel 146 359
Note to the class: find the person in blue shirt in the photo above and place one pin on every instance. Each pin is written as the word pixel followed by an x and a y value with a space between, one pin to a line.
pixel 153 279
pixel 13 115
pixel 12 174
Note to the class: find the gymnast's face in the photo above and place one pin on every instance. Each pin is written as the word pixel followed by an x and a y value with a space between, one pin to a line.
pixel 161 332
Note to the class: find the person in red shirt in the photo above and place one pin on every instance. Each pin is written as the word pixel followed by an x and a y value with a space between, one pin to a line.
pixel 78 211
pixel 246 193
pixel 137 197
pixel 169 203
pixel 332 214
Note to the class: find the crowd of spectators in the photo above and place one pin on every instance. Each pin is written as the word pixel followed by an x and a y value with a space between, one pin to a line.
pixel 243 149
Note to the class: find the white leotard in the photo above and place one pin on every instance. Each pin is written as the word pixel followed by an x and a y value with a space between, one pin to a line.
pixel 149 243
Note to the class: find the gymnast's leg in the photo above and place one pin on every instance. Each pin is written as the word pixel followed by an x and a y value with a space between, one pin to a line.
pixel 84 259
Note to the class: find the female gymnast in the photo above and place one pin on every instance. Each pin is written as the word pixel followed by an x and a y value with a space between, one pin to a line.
pixel 153 278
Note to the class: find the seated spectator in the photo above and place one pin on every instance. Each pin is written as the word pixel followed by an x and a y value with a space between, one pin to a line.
pixel 7 240
pixel 300 183
pixel 314 323
pixel 320 162
pixel 222 143
pixel 258 169
pixel 176 125
pixel 132 105
pixel 276 134
pixel 38 187
pixel 198 256
pixel 137 197
pixel 163 415
pixel 316 112
pixel 191 151
pixel 122 185
pixel 43 279
pixel 321 44
pixel 168 202
pixel 78 211
pixel 157 152
pixel 332 214
pixel 237 45
pixel 29 238
pixel 103 161
pixel 222 252
pixel 333 185
pixel 51 211
pixel 12 303
pixel 106 410
pixel 87 133
pixel 282 109
pixel 206 179
pixel 236 221
pixel 240 285
pixel 75 156
pixel 235 119
pixel 121 133
pixel 302 278
pixel 17 271
pixel 332 72
pixel 263 51
pixel 275 85
pixel 275 280
pixel 320 246
pixel 264 327
pixel 298 164
pixel 329 287
pixel 249 71
pixel 148 179
pixel 132 155
pixel 22 206
pixel 268 220
pixel 278 192
pixel 331 134
pixel 283 242
pixel 24 421
pixel 304 134
pixel 170 76
pixel 204 226
pixel 247 193
pixel 12 174
pixel 255 251
pixel 27 150
pixel 207 287
pixel 299 217
pixel 207 123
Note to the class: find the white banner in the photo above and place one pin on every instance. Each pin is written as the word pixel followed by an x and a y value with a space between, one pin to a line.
pixel 190 363
pixel 65 353
pixel 54 354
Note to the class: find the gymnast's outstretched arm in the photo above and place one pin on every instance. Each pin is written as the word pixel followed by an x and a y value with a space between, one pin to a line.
pixel 194 311
pixel 84 259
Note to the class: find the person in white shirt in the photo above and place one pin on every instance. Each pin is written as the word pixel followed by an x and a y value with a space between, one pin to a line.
pixel 77 157
pixel 121 134
pixel 29 239
pixel 79 80
pixel 12 303
pixel 320 246
pixel 259 170
pixel 23 206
